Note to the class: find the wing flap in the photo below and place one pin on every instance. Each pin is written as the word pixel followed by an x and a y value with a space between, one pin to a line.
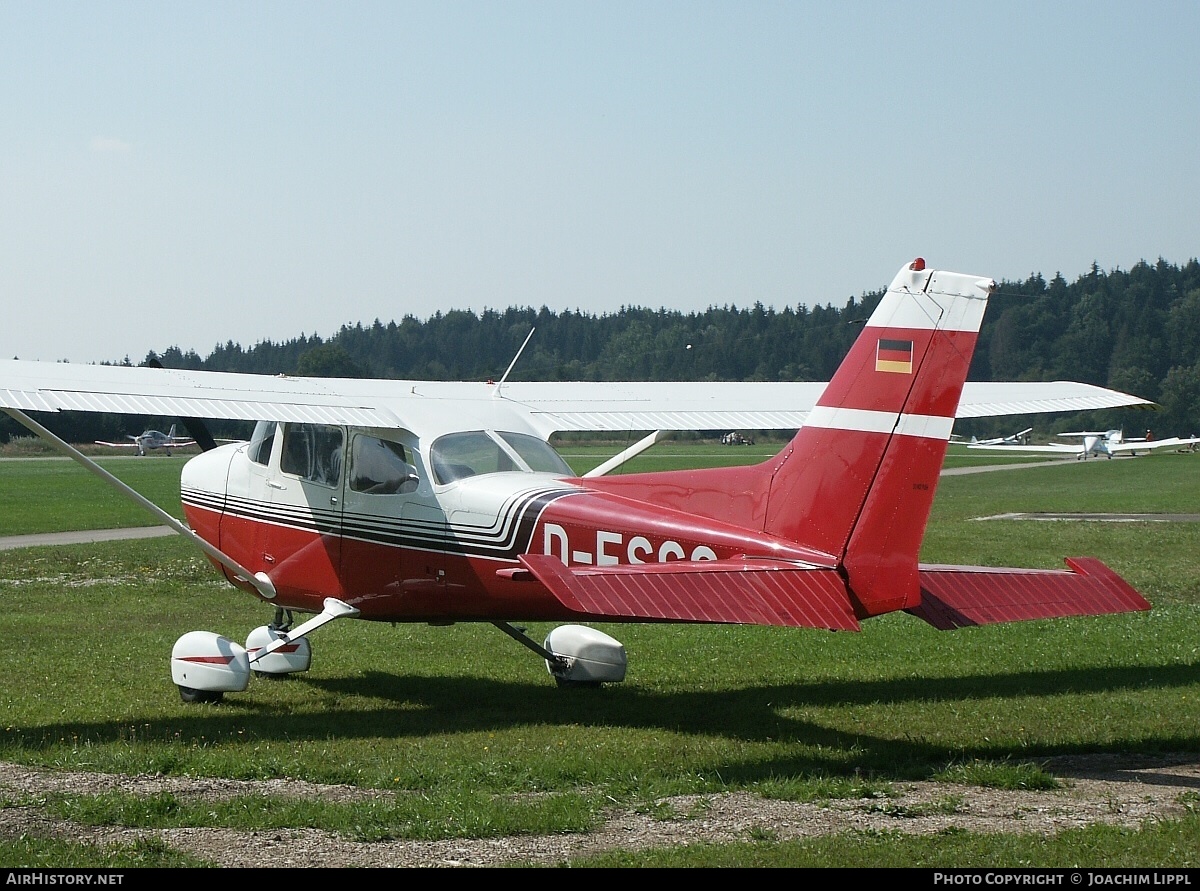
pixel 960 596
pixel 720 591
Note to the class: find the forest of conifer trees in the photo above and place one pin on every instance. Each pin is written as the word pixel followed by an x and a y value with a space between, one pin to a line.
pixel 1135 330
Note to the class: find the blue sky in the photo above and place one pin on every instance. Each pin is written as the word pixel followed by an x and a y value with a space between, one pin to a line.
pixel 185 174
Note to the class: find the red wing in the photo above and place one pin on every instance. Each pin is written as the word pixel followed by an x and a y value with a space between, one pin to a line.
pixel 720 591
pixel 958 596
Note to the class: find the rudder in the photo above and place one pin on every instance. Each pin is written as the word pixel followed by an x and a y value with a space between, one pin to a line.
pixel 859 477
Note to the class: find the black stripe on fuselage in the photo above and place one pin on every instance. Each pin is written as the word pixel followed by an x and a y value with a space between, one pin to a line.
pixel 505 538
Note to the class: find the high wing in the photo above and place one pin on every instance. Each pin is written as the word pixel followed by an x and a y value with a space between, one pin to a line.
pixel 1134 446
pixel 546 407
pixel 1050 448
pixel 582 406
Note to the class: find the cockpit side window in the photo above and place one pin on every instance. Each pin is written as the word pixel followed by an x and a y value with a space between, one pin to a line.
pixel 380 466
pixel 313 452
pixel 261 442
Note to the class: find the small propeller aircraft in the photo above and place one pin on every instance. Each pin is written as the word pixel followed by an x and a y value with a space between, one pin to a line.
pixel 1020 438
pixel 149 440
pixel 442 502
pixel 1095 444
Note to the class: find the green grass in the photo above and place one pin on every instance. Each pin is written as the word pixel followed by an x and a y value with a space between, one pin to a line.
pixel 31 852
pixel 462 814
pixel 1156 846
pixel 54 494
pixel 461 720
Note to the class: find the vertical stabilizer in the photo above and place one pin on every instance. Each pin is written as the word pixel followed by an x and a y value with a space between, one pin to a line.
pixel 858 479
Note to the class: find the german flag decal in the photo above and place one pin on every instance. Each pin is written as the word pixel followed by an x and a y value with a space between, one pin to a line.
pixel 895 356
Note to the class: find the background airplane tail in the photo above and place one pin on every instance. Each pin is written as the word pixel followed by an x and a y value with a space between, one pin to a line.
pixel 858 479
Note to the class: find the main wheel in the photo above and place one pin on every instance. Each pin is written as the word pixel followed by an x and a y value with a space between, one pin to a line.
pixel 188 694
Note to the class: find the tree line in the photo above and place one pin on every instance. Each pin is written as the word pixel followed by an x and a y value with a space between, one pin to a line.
pixel 1135 330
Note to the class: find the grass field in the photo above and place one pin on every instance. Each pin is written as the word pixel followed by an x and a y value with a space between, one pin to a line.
pixel 464 718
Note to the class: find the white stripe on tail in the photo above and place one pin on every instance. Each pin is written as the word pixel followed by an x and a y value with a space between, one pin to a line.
pixel 858 479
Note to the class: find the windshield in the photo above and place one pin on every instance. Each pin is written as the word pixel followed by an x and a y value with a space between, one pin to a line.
pixel 536 453
pixel 459 455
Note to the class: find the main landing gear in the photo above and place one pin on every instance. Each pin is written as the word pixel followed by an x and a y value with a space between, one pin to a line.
pixel 205 666
pixel 576 655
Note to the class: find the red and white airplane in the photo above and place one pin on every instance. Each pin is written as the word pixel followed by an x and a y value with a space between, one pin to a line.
pixel 407 501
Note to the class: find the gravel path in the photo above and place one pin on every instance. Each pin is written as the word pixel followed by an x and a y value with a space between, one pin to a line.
pixel 1096 789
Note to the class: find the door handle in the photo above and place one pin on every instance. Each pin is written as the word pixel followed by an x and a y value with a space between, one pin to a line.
pixel 275 485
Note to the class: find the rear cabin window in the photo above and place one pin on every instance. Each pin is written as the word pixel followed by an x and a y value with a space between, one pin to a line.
pixel 378 466
pixel 313 452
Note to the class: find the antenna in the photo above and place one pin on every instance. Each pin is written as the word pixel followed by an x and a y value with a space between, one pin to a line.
pixel 514 361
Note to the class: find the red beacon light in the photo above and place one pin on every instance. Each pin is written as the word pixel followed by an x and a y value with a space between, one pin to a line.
pixel 917 265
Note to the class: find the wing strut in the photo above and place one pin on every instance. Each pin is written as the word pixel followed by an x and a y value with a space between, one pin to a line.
pixel 514 361
pixel 518 634
pixel 334 609
pixel 621 457
pixel 260 580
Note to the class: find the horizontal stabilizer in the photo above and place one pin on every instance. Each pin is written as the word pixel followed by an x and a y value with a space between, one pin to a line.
pixel 723 591
pixel 958 596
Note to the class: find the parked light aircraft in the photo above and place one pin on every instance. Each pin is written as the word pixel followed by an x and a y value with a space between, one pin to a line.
pixel 149 440
pixel 408 501
pixel 1020 438
pixel 1096 443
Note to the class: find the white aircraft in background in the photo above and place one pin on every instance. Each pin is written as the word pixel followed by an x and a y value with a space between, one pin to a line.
pixel 149 440
pixel 1021 438
pixel 440 502
pixel 1096 443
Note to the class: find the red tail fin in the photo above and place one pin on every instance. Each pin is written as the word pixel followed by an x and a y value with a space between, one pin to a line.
pixel 859 478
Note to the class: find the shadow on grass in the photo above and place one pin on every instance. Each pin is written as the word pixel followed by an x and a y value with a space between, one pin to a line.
pixel 424 706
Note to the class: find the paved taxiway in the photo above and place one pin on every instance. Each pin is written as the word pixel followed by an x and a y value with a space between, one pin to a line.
pixel 8 542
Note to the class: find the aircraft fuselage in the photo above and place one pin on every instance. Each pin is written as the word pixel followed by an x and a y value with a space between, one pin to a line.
pixel 443 552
